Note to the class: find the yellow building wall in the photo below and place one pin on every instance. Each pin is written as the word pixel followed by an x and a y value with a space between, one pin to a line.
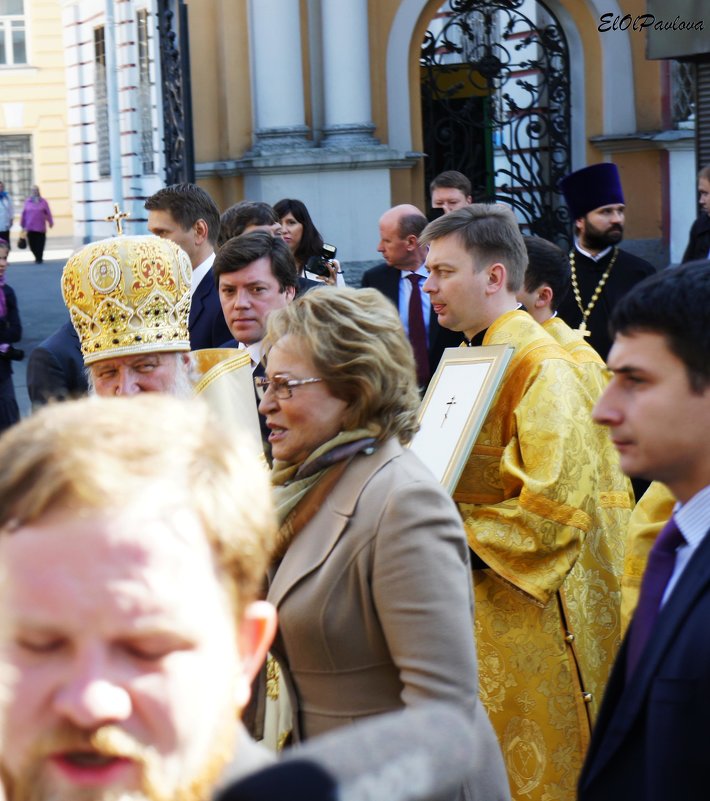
pixel 34 101
pixel 222 103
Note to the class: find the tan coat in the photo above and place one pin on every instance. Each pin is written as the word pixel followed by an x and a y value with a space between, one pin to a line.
pixel 374 603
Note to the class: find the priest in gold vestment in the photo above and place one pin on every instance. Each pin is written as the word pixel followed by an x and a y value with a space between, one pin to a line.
pixel 545 513
pixel 128 298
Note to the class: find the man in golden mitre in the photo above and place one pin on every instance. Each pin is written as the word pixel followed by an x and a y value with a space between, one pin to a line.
pixel 129 300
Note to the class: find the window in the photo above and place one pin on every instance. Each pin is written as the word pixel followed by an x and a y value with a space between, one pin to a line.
pixel 13 47
pixel 103 152
pixel 145 104
pixel 16 167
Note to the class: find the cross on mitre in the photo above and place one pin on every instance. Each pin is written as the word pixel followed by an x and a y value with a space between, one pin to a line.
pixel 117 217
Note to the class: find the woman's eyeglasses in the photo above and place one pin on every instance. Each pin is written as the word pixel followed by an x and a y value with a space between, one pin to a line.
pixel 281 387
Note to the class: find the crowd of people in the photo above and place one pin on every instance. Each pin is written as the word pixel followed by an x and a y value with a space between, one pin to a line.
pixel 250 538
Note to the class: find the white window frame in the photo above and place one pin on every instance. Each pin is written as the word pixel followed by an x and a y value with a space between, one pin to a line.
pixel 6 31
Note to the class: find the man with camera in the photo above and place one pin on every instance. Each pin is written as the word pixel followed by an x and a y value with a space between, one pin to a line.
pixel 400 279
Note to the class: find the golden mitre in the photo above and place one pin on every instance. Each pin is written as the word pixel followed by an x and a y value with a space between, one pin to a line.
pixel 128 295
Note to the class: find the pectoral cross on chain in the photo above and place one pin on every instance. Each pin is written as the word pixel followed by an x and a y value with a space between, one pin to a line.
pixel 583 330
pixel 449 404
pixel 117 218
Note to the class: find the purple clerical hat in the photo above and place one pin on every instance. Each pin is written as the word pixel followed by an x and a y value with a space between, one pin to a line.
pixel 591 187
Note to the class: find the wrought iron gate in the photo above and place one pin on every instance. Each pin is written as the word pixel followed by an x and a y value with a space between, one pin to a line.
pixel 496 106
pixel 176 91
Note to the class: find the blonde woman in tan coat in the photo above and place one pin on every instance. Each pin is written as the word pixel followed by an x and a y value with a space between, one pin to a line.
pixel 372 578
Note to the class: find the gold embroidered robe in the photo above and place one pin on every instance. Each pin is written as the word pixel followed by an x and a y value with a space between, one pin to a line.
pixel 649 516
pixel 583 353
pixel 547 515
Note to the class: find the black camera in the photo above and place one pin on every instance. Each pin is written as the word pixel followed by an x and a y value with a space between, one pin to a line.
pixel 318 265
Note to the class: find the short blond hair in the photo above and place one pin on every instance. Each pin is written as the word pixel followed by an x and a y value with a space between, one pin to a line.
pixel 490 233
pixel 356 341
pixel 105 453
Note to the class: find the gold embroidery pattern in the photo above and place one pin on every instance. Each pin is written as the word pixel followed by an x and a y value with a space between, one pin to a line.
pixel 547 610
pixel 128 295
pixel 272 678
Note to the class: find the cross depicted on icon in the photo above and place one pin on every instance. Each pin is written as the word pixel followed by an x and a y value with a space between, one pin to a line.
pixel 449 404
pixel 117 218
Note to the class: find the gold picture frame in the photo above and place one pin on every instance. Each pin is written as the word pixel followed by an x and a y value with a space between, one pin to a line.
pixel 454 407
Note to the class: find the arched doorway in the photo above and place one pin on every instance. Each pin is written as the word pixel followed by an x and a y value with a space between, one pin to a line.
pixel 495 87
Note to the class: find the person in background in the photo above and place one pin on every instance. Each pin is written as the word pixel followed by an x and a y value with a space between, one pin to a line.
pixel 134 536
pixel 10 332
pixel 6 214
pixel 601 272
pixel 450 190
pixel 246 216
pixel 55 368
pixel 36 215
pixel 370 575
pixel 400 278
pixel 698 246
pixel 186 215
pixel 304 241
pixel 547 279
pixel 255 274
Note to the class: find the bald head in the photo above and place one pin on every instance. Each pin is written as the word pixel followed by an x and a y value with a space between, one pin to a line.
pixel 400 227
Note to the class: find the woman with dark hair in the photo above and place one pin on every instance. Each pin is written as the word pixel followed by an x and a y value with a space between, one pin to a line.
pixel 304 241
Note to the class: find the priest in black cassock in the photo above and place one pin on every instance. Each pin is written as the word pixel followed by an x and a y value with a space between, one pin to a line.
pixel 601 273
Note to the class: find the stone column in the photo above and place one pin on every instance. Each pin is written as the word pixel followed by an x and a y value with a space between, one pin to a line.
pixel 346 75
pixel 277 75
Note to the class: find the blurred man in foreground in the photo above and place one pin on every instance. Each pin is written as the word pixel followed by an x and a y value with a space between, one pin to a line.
pixel 129 630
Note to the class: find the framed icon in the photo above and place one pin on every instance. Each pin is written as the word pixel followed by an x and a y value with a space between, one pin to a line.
pixel 454 407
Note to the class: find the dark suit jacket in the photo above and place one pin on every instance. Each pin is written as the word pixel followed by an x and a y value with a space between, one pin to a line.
pixel 55 369
pixel 698 246
pixel 650 741
pixel 208 328
pixel 386 279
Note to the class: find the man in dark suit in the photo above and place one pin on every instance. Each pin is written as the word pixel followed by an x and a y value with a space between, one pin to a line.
pixel 400 279
pixel 255 274
pixel 650 742
pixel 55 370
pixel 698 246
pixel 187 215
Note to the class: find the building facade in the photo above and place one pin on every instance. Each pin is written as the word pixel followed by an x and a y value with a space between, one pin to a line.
pixel 353 106
pixel 33 108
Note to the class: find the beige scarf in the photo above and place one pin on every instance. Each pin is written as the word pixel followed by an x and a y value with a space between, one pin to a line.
pixel 295 483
